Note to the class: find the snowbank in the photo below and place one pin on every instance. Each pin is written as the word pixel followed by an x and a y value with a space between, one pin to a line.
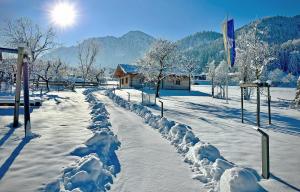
pixel 206 161
pixel 98 164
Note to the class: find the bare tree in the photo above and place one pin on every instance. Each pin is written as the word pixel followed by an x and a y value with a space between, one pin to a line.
pixel 23 32
pixel 158 62
pixel 50 70
pixel 87 52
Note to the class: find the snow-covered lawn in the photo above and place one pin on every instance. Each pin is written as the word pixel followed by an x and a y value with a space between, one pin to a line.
pixel 218 123
pixel 148 162
pixel 61 123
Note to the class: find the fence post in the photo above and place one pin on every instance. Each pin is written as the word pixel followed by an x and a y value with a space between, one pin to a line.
pixel 26 96
pixel 161 109
pixel 128 96
pixel 269 105
pixel 265 153
pixel 242 103
pixel 258 106
pixel 18 86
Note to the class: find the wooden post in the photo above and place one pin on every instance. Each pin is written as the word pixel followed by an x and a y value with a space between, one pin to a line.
pixel 212 88
pixel 142 96
pixel 18 86
pixel 242 103
pixel 161 109
pixel 269 105
pixel 26 97
pixel 258 106
pixel 128 96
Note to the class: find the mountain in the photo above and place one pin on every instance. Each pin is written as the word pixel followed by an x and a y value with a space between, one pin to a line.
pixel 113 50
pixel 280 32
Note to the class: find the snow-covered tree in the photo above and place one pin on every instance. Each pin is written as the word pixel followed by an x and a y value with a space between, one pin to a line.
pixel 211 75
pixel 158 62
pixel 276 76
pixel 253 54
pixel 289 80
pixel 296 102
pixel 87 52
pixel 7 71
pixel 23 32
pixel 221 77
pixel 188 65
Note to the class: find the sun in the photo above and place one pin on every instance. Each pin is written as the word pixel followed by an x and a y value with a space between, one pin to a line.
pixel 63 14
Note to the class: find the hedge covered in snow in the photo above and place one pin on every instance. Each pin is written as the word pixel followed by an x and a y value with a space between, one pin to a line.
pixel 98 164
pixel 206 161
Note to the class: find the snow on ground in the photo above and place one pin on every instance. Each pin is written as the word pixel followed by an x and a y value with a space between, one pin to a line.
pixel 99 163
pixel 206 161
pixel 61 123
pixel 148 162
pixel 218 123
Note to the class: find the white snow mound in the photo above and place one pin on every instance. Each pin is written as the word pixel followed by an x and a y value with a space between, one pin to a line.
pixel 238 179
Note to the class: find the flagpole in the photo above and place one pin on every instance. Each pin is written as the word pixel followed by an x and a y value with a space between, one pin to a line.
pixel 227 69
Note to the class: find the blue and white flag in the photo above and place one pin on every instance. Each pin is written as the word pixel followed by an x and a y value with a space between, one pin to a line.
pixel 229 42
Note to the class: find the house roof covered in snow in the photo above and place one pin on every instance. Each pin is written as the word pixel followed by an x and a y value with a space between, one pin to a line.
pixel 124 69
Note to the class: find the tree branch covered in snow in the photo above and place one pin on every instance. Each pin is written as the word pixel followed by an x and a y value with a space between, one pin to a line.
pixel 87 52
pixel 158 62
pixel 23 32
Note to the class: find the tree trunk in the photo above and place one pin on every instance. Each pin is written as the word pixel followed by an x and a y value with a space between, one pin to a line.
pixel 157 89
pixel 47 85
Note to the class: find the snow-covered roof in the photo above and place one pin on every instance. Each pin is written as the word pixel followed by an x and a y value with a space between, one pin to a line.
pixel 128 68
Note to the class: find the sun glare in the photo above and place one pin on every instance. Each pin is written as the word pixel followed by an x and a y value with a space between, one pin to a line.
pixel 63 14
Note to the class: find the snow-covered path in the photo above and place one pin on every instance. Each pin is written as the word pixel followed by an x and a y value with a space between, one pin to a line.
pixel 61 122
pixel 218 123
pixel 148 162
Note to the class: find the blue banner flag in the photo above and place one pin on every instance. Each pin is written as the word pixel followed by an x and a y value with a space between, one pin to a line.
pixel 229 42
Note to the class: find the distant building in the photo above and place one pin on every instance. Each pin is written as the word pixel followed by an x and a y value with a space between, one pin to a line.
pixel 129 77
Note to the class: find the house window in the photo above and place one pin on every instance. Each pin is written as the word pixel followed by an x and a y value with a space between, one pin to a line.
pixel 126 80
pixel 177 82
pixel 122 81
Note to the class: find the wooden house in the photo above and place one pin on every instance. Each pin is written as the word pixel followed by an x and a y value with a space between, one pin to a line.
pixel 129 77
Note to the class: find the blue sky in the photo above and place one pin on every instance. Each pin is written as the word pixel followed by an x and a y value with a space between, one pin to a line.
pixel 170 19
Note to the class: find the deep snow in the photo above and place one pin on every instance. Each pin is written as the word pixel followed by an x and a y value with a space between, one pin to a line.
pixel 214 121
pixel 61 123
pixel 148 162
pixel 204 158
pixel 98 164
